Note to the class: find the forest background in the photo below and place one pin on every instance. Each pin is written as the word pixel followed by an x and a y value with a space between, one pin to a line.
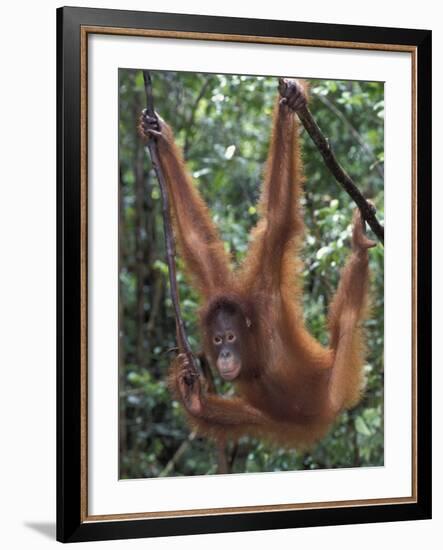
pixel 223 122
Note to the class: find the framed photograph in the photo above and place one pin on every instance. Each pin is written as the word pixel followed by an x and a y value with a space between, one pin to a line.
pixel 244 274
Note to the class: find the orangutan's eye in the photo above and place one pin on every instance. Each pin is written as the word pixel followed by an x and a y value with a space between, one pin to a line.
pixel 217 340
pixel 231 337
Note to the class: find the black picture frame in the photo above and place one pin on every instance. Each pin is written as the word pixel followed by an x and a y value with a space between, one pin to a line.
pixel 71 522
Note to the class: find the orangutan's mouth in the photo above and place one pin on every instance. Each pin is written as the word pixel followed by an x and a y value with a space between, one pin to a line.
pixel 228 369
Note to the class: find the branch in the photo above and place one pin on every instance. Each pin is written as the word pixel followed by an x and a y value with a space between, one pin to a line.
pixel 191 118
pixel 323 145
pixel 177 455
pixel 182 339
pixel 364 144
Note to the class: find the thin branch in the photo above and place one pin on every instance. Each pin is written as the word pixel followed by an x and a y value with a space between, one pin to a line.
pixel 190 121
pixel 177 455
pixel 222 459
pixel 156 300
pixel 364 144
pixel 323 145
pixel 152 147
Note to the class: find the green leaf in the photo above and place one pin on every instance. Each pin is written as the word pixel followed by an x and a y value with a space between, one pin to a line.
pixel 361 427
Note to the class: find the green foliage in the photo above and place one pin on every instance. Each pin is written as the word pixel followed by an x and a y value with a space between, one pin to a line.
pixel 223 123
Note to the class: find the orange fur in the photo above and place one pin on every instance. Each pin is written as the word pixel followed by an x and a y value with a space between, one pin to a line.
pixel 290 388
